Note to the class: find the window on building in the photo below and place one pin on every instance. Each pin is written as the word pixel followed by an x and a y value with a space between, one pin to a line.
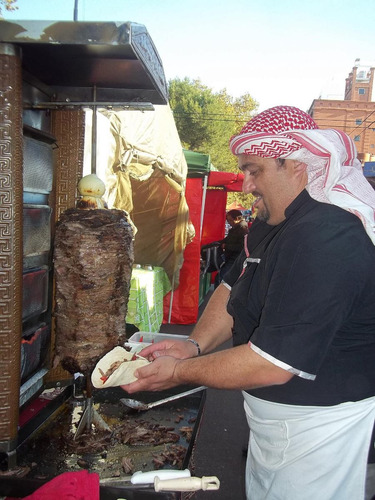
pixel 358 121
pixel 361 91
pixel 356 138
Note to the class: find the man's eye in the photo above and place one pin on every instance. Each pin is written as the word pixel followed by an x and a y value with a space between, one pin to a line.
pixel 248 171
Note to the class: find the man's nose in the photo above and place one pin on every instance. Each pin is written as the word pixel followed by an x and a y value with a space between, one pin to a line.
pixel 248 185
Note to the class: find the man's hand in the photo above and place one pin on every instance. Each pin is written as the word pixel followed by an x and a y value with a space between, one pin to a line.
pixel 178 349
pixel 157 376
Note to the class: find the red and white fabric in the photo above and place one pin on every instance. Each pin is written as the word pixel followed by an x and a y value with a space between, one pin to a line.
pixel 334 172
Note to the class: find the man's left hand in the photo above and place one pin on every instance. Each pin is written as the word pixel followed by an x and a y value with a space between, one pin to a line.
pixel 157 376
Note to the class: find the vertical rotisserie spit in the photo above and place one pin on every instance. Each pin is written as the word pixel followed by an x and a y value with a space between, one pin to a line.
pixel 93 263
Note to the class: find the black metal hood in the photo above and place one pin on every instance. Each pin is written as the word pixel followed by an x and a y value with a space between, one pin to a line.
pixel 71 58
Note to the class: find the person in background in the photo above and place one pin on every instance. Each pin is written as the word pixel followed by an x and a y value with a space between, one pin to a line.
pixel 232 245
pixel 299 305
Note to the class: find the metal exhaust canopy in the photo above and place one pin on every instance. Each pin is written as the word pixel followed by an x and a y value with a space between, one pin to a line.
pixel 71 58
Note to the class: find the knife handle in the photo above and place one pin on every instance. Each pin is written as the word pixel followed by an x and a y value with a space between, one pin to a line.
pixel 187 484
pixel 140 477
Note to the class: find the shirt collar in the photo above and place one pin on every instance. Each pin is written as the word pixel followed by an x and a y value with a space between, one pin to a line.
pixel 297 203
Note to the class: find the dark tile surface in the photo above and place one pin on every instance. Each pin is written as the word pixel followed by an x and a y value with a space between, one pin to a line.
pixel 221 443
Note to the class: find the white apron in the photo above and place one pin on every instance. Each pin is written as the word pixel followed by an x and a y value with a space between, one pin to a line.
pixel 307 452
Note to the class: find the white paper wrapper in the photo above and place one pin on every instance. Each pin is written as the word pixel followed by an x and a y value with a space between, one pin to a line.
pixel 124 374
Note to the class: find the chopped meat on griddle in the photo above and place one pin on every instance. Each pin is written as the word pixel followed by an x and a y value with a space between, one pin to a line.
pixel 127 465
pixel 137 433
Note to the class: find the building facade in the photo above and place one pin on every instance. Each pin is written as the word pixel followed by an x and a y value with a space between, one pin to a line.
pixel 355 114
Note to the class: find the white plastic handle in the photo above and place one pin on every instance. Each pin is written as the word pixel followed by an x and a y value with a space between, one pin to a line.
pixel 187 484
pixel 149 476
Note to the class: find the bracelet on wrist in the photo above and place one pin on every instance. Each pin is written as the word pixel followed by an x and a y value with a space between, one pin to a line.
pixel 196 345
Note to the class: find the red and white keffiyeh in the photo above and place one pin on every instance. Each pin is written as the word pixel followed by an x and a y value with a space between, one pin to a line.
pixel 334 172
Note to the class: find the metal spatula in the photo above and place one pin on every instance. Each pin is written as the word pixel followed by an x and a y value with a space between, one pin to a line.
pixel 138 405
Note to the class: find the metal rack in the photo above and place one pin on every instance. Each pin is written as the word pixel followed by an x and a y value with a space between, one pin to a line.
pixel 50 72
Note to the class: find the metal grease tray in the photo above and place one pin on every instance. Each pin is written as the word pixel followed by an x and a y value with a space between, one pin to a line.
pixel 52 450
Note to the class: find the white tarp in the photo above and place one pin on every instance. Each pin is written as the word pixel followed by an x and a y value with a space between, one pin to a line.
pixel 140 159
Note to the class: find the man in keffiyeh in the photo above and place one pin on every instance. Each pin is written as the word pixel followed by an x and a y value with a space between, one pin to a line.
pixel 299 305
pixel 334 172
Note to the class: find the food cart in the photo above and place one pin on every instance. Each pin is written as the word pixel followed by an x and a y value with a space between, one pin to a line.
pixel 50 72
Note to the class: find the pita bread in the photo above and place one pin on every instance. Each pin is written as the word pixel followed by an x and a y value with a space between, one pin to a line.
pixel 116 368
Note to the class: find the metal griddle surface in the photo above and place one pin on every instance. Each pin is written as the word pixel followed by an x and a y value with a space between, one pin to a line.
pixel 52 450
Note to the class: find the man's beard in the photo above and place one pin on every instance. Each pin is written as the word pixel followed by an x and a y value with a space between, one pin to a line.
pixel 263 214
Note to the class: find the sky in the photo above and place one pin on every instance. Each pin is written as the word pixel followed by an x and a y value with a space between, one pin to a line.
pixel 286 52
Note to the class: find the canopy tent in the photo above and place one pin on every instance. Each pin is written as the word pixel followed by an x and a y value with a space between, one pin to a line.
pixel 199 164
pixel 140 159
pixel 214 209
pixel 206 195
pixel 229 180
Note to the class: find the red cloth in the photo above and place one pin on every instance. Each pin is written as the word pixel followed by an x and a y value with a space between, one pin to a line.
pixel 80 485
pixel 186 297
pixel 228 180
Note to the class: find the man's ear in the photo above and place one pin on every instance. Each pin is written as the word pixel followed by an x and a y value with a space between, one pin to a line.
pixel 299 166
pixel 300 170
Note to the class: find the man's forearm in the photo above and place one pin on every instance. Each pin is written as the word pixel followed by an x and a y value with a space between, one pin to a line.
pixel 215 325
pixel 236 368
